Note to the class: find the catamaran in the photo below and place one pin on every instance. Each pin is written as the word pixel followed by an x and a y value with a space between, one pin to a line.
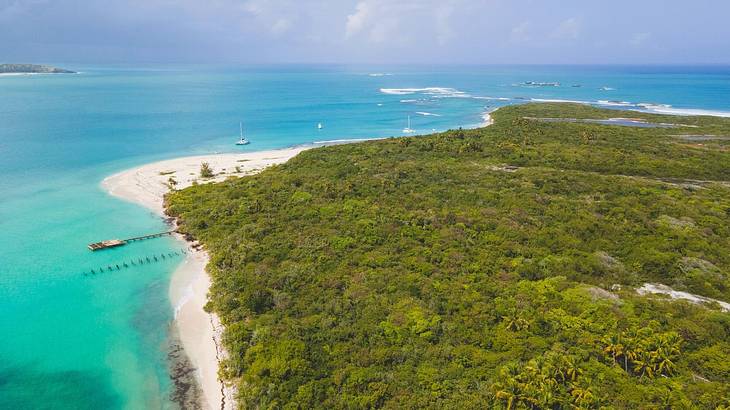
pixel 242 141
pixel 408 129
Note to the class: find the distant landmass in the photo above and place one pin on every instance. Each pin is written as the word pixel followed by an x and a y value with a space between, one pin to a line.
pixel 32 68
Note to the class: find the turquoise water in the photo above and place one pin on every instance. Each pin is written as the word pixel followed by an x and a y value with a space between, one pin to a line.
pixel 101 341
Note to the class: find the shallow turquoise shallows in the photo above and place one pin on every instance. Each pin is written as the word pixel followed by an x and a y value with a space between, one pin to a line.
pixel 69 339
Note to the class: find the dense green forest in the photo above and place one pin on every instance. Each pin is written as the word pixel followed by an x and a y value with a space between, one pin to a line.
pixel 493 267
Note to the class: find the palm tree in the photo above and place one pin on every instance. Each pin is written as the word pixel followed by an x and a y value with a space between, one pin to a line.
pixel 644 364
pixel 630 355
pixel 570 368
pixel 615 349
pixel 515 323
pixel 582 396
pixel 509 392
pixel 669 348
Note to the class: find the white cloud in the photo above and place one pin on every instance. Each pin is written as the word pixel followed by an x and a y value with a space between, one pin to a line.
pixel 568 30
pixel 14 8
pixel 281 26
pixel 520 33
pixel 403 21
pixel 639 39
pixel 355 30
pixel 278 16
pixel 357 21
pixel 444 31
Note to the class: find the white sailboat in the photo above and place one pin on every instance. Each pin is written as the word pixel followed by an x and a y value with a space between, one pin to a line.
pixel 408 129
pixel 320 126
pixel 242 141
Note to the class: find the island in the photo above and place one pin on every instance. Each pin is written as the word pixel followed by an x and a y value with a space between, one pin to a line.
pixel 32 69
pixel 560 258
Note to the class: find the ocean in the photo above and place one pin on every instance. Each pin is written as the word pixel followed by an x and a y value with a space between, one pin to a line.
pixel 72 339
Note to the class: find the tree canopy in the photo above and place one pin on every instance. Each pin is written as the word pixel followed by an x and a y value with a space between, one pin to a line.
pixel 471 268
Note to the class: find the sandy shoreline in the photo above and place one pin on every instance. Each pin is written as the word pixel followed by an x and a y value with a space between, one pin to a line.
pixel 200 332
pixel 487 119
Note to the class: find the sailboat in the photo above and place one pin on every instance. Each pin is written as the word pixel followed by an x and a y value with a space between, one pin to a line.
pixel 408 129
pixel 320 126
pixel 242 141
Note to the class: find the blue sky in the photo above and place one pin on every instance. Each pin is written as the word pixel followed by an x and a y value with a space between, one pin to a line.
pixel 366 31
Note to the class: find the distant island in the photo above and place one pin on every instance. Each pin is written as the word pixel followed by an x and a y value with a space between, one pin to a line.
pixel 32 69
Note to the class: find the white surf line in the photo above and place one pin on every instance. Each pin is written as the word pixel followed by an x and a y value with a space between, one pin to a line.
pixel 487 119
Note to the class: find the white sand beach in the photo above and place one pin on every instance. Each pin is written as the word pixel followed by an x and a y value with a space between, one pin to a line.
pixel 200 332
pixel 487 119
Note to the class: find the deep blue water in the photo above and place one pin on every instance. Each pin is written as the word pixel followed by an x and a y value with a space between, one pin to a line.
pixel 73 341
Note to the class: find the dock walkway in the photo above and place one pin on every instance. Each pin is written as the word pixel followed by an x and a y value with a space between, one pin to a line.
pixel 113 243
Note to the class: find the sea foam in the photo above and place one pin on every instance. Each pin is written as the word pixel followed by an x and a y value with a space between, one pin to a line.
pixel 616 103
pixel 659 109
pixel 491 98
pixel 187 296
pixel 547 100
pixel 434 91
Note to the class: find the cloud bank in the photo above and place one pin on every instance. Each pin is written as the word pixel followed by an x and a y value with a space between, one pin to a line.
pixel 365 31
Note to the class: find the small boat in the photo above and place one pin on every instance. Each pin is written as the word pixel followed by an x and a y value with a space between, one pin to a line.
pixel 408 129
pixel 242 141
pixel 320 126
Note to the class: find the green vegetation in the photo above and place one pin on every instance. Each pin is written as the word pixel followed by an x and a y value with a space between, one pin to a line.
pixel 206 171
pixel 32 68
pixel 477 268
pixel 171 183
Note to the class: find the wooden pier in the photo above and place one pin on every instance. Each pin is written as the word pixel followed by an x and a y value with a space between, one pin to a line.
pixel 113 243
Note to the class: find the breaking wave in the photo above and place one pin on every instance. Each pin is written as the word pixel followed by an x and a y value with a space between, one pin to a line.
pixel 447 92
pixel 434 91
pixel 344 140
pixel 547 100
pixel 616 103
pixel 663 109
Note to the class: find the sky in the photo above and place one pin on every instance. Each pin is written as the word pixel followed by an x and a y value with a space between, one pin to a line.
pixel 366 31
